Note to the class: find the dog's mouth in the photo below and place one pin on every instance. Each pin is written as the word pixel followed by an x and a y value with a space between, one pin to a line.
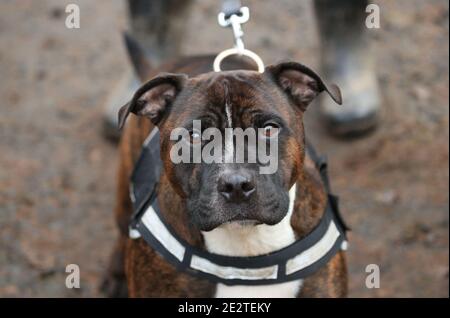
pixel 242 220
pixel 238 220
pixel 207 221
pixel 206 215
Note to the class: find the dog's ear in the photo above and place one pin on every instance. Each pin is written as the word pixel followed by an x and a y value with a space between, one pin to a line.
pixel 301 84
pixel 153 98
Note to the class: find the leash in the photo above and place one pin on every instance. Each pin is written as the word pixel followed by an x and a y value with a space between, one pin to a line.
pixel 296 261
pixel 233 15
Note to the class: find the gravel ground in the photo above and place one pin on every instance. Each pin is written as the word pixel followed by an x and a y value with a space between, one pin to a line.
pixel 57 175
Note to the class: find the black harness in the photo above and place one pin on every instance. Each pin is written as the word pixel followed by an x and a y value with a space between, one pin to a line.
pixel 296 261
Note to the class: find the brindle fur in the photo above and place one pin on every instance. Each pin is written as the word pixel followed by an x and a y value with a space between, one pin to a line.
pixel 148 275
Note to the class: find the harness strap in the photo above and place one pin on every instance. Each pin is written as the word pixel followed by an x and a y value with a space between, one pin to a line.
pixel 296 261
pixel 321 164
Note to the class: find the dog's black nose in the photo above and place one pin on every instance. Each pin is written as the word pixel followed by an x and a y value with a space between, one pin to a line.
pixel 236 187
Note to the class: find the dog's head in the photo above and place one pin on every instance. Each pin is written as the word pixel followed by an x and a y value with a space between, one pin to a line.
pixel 270 104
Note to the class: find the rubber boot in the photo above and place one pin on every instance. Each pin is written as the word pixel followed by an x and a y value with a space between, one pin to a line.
pixel 158 27
pixel 347 60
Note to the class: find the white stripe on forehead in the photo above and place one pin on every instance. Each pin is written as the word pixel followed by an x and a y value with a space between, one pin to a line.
pixel 229 147
pixel 228 106
pixel 228 112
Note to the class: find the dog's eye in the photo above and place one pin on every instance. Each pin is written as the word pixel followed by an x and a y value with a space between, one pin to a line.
pixel 195 137
pixel 270 130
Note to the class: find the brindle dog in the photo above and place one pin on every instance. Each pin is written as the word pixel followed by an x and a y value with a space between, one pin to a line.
pixel 189 195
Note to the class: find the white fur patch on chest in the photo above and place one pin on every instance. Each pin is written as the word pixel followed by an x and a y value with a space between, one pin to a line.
pixel 245 240
pixel 284 290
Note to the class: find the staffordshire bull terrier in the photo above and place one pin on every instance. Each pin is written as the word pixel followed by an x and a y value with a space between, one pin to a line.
pixel 224 209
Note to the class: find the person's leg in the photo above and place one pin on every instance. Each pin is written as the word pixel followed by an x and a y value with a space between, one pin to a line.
pixel 348 61
pixel 158 25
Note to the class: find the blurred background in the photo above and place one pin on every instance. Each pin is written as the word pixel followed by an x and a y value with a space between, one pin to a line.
pixel 57 171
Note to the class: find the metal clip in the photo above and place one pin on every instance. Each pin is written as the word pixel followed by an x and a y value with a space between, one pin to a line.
pixel 235 21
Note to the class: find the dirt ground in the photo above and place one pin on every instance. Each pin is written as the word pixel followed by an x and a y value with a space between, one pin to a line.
pixel 57 172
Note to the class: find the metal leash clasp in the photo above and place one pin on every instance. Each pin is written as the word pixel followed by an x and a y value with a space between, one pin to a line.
pixel 235 21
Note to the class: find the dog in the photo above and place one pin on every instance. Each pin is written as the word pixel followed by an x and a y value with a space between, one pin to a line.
pixel 251 215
